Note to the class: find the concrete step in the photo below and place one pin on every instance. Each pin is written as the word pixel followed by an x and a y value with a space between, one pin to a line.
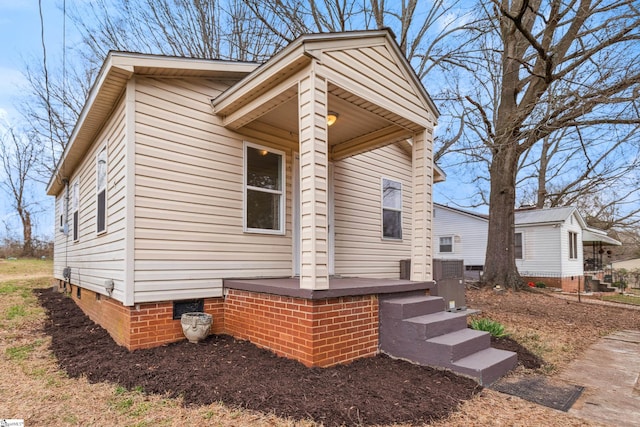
pixel 448 348
pixel 436 324
pixel 411 306
pixel 487 365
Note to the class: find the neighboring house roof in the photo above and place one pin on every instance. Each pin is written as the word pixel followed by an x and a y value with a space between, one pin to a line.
pixel 546 216
pixel 593 235
pixel 532 217
pixel 462 211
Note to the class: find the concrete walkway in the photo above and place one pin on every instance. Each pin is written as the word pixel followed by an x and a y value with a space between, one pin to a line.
pixel 609 370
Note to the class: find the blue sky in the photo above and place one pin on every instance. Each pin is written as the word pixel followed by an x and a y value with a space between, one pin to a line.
pixel 20 44
pixel 20 35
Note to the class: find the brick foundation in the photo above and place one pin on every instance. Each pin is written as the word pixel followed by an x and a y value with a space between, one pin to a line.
pixel 316 332
pixel 143 325
pixel 567 284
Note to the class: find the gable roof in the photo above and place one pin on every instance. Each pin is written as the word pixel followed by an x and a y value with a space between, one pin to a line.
pixel 547 216
pixel 464 212
pixel 117 69
pixel 305 50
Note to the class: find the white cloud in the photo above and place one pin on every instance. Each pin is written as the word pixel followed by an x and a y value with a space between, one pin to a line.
pixel 12 83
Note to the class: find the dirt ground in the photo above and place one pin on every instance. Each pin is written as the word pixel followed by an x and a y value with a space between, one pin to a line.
pixel 379 390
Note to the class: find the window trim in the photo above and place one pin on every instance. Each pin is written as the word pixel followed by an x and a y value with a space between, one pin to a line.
pixel 573 245
pixel 282 192
pixel 440 251
pixel 99 190
pixel 393 209
pixel 75 210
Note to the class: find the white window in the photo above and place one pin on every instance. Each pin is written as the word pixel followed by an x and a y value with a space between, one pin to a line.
pixel 75 209
pixel 573 245
pixel 518 246
pixel 264 184
pixel 101 190
pixel 391 209
pixel 446 244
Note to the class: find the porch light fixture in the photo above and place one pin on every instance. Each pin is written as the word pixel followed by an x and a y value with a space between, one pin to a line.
pixel 332 117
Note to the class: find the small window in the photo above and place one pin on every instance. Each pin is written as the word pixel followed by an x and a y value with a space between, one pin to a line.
pixel 101 188
pixel 518 246
pixel 75 209
pixel 446 244
pixel 391 209
pixel 264 199
pixel 573 245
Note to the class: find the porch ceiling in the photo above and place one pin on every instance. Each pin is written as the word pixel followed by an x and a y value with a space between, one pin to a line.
pixel 361 125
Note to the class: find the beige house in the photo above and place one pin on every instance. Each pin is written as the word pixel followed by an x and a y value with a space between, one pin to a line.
pixel 198 183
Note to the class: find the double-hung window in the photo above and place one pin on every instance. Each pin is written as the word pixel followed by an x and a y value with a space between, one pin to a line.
pixel 518 246
pixel 446 244
pixel 75 209
pixel 264 184
pixel 101 188
pixel 391 209
pixel 573 245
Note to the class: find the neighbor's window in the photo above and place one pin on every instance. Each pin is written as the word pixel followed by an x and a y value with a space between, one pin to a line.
pixel 101 186
pixel 518 246
pixel 446 244
pixel 264 189
pixel 573 245
pixel 391 209
pixel 75 208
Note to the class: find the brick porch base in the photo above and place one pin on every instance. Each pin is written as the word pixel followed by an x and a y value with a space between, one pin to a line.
pixel 317 332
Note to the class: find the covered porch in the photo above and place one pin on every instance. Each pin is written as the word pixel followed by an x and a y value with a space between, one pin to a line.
pixel 326 98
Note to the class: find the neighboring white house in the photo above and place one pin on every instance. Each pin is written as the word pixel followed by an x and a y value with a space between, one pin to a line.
pixel 549 242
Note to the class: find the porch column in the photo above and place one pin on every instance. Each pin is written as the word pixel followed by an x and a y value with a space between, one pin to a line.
pixel 421 244
pixel 312 102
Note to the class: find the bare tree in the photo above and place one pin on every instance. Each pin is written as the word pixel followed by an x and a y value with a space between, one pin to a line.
pixel 18 157
pixel 425 30
pixel 545 71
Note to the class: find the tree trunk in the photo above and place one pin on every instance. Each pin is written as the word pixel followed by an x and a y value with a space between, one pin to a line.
pixel 500 265
pixel 27 245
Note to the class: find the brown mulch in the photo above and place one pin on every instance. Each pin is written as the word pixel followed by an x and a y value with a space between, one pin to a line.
pixel 526 359
pixel 376 390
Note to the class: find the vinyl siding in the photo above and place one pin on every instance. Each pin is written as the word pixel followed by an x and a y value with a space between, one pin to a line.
pixel 379 80
pixel 96 258
pixel 571 267
pixel 541 251
pixel 189 197
pixel 469 235
pixel 360 249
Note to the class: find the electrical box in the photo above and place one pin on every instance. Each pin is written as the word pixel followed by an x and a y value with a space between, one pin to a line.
pixel 449 277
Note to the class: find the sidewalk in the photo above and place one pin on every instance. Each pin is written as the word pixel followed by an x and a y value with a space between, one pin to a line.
pixel 609 370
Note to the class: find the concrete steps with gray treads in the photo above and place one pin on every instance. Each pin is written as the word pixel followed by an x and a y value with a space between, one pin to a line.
pixel 418 329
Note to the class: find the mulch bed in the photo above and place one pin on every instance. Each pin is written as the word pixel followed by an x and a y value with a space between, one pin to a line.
pixel 375 390
pixel 526 359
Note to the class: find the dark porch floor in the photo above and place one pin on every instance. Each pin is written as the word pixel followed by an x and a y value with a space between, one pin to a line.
pixel 338 287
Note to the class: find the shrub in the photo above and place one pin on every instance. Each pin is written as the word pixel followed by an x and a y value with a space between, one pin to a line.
pixel 540 285
pixel 496 329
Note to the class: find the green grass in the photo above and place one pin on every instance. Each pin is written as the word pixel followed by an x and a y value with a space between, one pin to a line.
pixel 20 352
pixel 496 329
pixel 624 299
pixel 8 288
pixel 21 267
pixel 16 311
